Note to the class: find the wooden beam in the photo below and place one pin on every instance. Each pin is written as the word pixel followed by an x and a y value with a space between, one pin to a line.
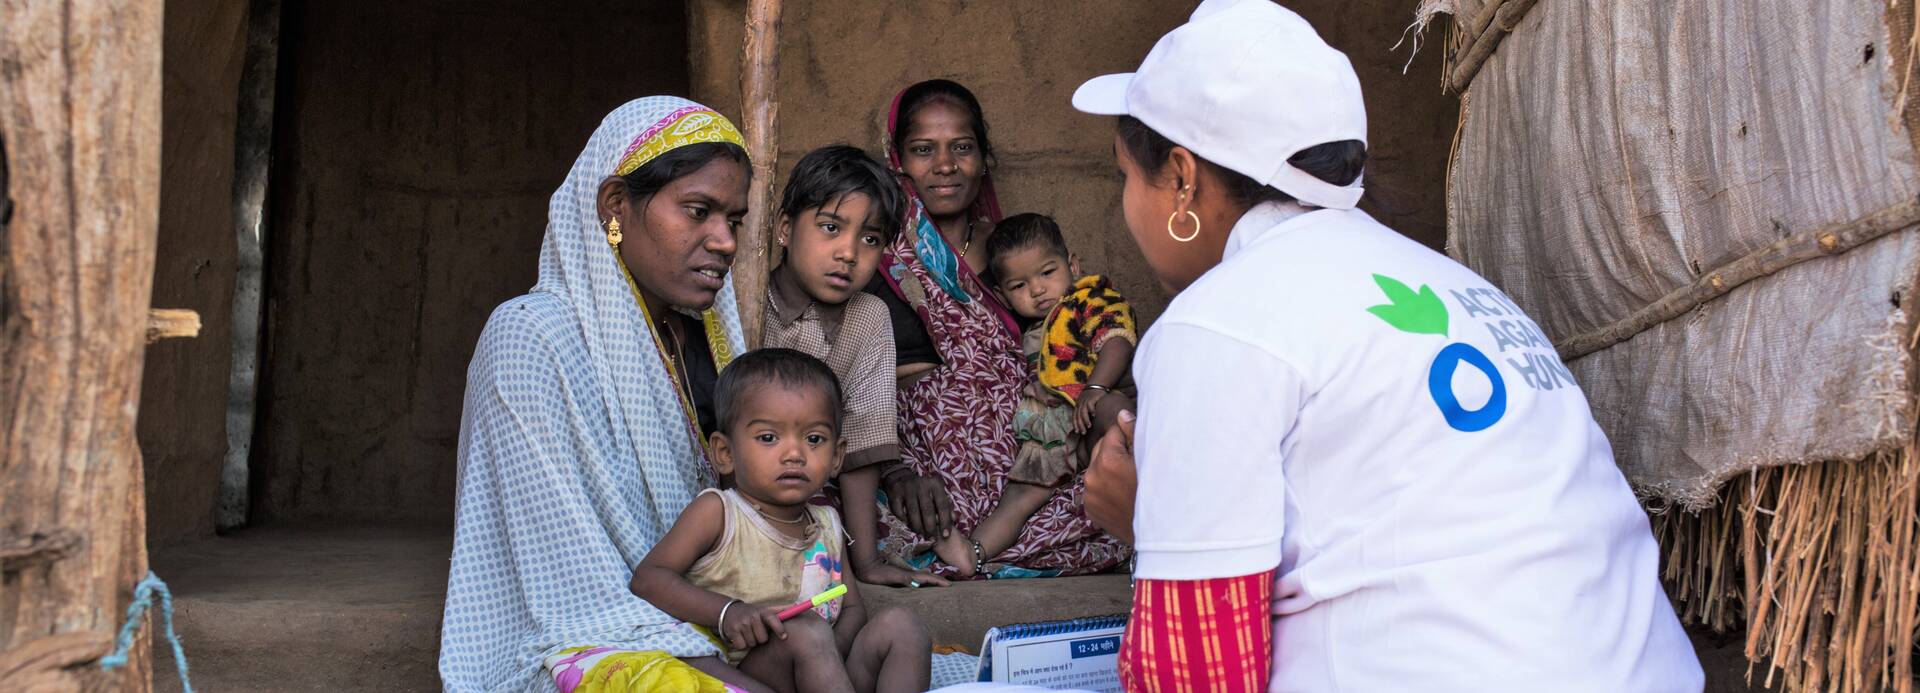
pixel 1495 21
pixel 80 115
pixel 1825 241
pixel 168 323
pixel 760 101
pixel 39 665
pixel 17 553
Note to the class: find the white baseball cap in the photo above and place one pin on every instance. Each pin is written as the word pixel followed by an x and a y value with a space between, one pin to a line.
pixel 1244 84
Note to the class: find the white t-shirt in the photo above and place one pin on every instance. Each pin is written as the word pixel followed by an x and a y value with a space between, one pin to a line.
pixel 1390 431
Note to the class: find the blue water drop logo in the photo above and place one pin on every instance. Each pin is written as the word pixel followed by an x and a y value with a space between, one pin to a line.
pixel 1440 386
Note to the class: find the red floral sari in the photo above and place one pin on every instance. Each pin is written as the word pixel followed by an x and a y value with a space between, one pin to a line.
pixel 956 422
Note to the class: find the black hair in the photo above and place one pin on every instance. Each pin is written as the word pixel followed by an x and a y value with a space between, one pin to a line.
pixel 676 163
pixel 830 172
pixel 919 95
pixel 1338 163
pixel 772 366
pixel 1022 231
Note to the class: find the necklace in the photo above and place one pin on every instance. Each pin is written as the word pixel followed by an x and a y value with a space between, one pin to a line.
pixel 680 389
pixel 676 355
pixel 804 515
pixel 968 245
pixel 674 346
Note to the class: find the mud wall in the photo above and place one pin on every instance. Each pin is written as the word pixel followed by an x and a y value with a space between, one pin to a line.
pixel 416 145
pixel 843 60
pixel 183 398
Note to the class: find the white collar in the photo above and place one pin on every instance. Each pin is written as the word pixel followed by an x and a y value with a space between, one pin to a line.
pixel 1258 221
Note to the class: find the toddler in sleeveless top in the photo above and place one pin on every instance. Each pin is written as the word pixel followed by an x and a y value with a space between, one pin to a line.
pixel 736 557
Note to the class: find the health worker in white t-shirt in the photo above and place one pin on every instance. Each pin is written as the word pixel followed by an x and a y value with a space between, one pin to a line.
pixel 1360 466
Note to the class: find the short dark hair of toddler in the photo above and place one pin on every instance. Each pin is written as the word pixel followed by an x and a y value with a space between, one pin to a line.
pixel 1022 231
pixel 831 172
pixel 784 368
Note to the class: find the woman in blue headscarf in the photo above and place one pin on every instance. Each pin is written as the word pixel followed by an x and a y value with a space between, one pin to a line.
pixel 587 404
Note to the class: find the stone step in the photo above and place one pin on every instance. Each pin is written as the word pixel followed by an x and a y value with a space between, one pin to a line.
pixel 324 608
pixel 962 613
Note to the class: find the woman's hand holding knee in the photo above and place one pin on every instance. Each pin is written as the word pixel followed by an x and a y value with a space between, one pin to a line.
pixel 921 502
pixel 1111 480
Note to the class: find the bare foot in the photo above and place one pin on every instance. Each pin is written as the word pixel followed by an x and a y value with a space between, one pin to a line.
pixel 956 550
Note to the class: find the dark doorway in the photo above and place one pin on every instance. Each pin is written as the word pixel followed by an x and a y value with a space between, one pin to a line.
pixel 416 146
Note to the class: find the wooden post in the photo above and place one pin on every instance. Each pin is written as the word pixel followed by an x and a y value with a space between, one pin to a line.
pixel 80 118
pixel 759 98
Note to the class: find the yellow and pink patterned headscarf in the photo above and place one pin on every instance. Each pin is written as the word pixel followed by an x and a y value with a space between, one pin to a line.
pixel 689 125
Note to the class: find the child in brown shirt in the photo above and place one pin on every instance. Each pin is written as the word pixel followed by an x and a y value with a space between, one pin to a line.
pixel 839 211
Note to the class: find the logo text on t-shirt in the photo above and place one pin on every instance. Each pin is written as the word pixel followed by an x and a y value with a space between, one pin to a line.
pixel 1536 361
pixel 1532 356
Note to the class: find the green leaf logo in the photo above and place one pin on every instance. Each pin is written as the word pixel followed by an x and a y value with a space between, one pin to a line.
pixel 1418 313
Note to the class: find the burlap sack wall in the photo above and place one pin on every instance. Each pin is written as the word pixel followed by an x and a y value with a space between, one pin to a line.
pixel 1612 154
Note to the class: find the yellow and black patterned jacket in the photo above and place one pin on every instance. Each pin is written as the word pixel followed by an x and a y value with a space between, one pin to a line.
pixel 1089 315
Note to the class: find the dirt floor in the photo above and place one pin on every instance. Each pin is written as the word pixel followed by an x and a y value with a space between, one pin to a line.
pixel 343 608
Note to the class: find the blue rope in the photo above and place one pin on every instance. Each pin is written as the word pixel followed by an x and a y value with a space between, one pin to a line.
pixel 142 600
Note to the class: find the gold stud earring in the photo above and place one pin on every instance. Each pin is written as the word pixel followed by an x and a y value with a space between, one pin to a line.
pixel 613 232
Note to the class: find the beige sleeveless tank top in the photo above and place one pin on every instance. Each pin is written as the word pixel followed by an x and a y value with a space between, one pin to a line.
pixel 755 563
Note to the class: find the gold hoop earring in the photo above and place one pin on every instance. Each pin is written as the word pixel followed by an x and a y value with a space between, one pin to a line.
pixel 613 233
pixel 1176 235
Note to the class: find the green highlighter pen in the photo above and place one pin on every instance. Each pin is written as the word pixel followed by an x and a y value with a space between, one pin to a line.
pixel 836 592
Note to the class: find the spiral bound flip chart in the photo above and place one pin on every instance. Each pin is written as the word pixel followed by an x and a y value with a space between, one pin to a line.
pixel 1080 653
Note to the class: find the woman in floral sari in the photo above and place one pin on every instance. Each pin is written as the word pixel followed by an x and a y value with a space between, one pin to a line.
pixel 960 363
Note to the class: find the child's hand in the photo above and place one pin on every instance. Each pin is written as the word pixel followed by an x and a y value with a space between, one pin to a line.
pixel 1083 412
pixel 747 626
